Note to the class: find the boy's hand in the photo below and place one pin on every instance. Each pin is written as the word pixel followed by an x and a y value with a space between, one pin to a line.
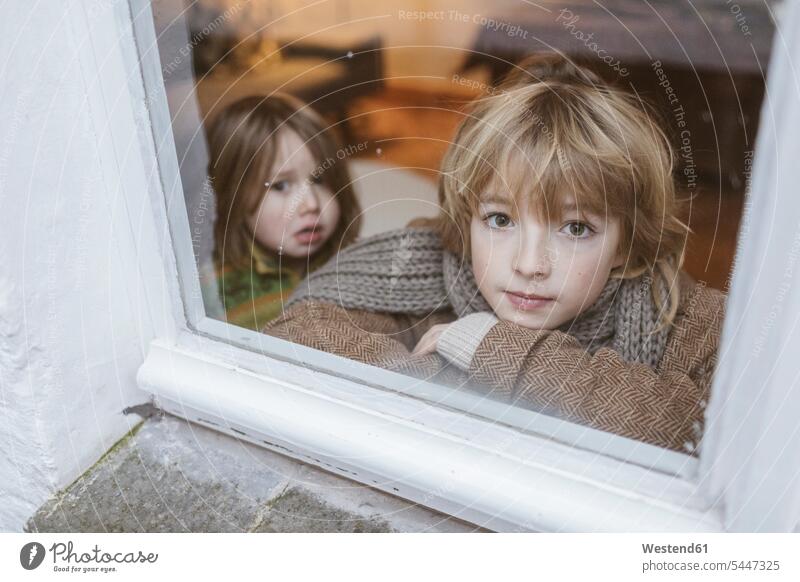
pixel 427 343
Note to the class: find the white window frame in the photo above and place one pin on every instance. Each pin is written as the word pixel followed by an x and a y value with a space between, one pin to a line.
pixel 391 432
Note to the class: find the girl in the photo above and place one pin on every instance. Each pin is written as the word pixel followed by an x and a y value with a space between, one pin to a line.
pixel 552 278
pixel 284 203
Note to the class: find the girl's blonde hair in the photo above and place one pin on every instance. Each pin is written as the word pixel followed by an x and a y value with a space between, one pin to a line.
pixel 554 128
pixel 243 141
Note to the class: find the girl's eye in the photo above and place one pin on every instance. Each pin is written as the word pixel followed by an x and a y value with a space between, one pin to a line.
pixel 498 220
pixel 279 186
pixel 577 229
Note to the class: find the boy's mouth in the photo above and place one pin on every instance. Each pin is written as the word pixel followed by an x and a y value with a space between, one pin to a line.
pixel 525 301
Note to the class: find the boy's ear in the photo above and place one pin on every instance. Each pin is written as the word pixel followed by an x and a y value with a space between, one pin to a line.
pixel 619 260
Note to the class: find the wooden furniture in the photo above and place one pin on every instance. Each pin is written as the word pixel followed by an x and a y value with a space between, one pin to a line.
pixel 327 75
pixel 713 59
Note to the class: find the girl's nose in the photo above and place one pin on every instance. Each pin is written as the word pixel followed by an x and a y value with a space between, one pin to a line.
pixel 309 199
pixel 534 257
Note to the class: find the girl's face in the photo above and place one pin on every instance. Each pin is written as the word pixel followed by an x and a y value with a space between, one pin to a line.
pixel 298 213
pixel 537 274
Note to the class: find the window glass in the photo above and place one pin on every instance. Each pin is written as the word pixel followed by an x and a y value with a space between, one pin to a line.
pixel 566 251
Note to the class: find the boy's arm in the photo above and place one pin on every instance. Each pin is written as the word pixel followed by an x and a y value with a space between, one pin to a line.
pixel 550 371
pixel 378 339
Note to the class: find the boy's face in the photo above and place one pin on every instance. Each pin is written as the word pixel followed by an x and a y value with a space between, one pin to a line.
pixel 537 274
pixel 298 213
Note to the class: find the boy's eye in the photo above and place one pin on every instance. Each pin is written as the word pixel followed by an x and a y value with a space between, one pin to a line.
pixel 577 229
pixel 498 220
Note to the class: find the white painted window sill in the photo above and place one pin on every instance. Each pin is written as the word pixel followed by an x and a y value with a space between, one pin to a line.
pixel 480 471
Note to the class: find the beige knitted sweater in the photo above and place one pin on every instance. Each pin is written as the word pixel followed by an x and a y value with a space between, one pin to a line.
pixel 540 369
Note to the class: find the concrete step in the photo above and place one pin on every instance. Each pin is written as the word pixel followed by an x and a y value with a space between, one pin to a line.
pixel 172 476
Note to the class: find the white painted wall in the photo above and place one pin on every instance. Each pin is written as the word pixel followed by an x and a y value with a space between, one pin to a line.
pixel 72 334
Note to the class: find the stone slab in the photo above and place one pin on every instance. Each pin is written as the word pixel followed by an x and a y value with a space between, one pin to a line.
pixel 173 476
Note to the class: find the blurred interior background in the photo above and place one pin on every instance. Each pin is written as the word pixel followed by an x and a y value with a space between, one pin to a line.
pixel 396 75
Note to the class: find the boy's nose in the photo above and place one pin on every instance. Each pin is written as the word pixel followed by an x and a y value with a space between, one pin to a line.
pixel 534 257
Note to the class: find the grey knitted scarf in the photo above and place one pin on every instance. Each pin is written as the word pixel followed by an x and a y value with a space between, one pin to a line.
pixel 407 271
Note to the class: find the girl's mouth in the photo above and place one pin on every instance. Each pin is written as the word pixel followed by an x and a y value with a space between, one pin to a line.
pixel 309 235
pixel 528 302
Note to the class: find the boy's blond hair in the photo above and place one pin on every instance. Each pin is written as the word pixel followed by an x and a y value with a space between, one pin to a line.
pixel 554 129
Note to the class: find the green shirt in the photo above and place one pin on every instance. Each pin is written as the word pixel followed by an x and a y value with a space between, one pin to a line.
pixel 254 293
